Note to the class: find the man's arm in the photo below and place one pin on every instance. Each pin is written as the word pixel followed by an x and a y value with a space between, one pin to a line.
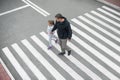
pixel 69 31
pixel 54 28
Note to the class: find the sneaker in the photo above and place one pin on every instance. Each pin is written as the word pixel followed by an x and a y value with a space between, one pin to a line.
pixel 49 47
pixel 69 52
pixel 62 53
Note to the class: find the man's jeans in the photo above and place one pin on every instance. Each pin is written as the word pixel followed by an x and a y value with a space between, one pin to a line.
pixel 63 45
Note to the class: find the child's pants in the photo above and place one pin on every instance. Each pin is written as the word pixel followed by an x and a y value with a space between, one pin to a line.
pixel 51 37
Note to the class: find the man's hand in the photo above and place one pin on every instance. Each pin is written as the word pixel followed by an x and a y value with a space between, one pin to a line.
pixel 69 39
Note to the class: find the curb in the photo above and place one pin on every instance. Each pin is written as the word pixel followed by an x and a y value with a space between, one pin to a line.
pixel 4 72
pixel 109 4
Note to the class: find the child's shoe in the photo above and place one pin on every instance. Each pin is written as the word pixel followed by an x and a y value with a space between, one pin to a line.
pixel 49 47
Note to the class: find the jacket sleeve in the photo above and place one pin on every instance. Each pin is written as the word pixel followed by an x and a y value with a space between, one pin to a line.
pixel 69 30
pixel 54 28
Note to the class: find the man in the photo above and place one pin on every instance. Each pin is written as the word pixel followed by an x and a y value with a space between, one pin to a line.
pixel 64 33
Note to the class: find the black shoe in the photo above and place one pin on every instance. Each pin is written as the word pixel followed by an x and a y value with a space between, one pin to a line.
pixel 62 53
pixel 69 52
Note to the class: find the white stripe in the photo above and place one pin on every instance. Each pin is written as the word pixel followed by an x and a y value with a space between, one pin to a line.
pixel 6 69
pixel 110 52
pixel 35 7
pixel 28 62
pixel 105 18
pixel 13 10
pixel 41 59
pixel 109 14
pixel 16 65
pixel 115 67
pixel 38 7
pixel 100 28
pixel 57 59
pixel 102 23
pixel 75 61
pixel 97 54
pixel 89 59
pixel 111 10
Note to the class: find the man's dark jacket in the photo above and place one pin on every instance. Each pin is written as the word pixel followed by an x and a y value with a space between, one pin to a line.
pixel 63 29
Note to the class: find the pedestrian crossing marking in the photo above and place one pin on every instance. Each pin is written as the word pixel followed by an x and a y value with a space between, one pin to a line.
pixel 41 59
pixel 112 44
pixel 57 59
pixel 99 45
pixel 75 61
pixel 67 68
pixel 96 53
pixel 90 60
pixel 111 10
pixel 29 63
pixel 15 63
pixel 100 28
pixel 105 18
pixel 102 23
pixel 109 14
pixel 97 34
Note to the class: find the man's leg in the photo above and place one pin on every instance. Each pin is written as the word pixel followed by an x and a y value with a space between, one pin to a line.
pixel 62 47
pixel 66 47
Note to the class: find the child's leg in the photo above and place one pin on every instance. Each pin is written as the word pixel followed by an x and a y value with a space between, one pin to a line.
pixel 55 38
pixel 50 40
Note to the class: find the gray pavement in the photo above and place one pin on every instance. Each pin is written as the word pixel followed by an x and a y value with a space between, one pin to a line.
pixel 95 44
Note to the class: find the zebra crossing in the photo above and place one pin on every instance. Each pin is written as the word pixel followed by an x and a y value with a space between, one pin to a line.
pixel 95 51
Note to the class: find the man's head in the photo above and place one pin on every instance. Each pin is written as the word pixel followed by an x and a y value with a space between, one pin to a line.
pixel 59 17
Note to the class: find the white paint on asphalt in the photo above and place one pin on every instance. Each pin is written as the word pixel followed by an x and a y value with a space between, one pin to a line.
pixel 115 67
pixel 13 10
pixel 28 62
pixel 102 23
pixel 107 50
pixel 41 59
pixel 89 59
pixel 37 8
pixel 106 18
pixel 111 10
pixel 16 64
pixel 68 69
pixel 100 28
pixel 74 60
pixel 109 14
pixel 96 53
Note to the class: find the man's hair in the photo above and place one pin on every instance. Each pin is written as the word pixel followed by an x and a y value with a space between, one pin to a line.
pixel 51 22
pixel 59 15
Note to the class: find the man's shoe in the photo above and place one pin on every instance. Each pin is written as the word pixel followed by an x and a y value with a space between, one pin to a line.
pixel 69 52
pixel 62 53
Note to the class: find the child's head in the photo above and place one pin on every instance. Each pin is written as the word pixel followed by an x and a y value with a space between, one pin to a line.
pixel 50 22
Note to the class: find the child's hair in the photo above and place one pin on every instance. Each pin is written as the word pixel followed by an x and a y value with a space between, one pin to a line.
pixel 51 22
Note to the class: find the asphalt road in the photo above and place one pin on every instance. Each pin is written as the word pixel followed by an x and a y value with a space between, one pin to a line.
pixel 100 62
pixel 25 22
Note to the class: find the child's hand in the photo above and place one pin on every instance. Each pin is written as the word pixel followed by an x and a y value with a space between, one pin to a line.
pixel 51 32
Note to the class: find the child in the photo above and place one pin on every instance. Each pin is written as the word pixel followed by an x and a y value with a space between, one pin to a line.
pixel 51 35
